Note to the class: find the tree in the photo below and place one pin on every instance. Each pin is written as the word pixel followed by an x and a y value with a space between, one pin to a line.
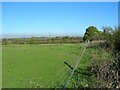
pixel 117 38
pixel 108 32
pixel 4 41
pixel 90 33
pixel 32 40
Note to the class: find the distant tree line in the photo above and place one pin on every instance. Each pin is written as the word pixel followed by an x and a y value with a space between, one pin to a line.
pixel 42 40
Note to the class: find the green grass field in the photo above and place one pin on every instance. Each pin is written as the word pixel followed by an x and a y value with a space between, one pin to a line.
pixel 31 65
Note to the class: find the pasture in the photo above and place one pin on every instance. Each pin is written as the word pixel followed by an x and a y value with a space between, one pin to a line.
pixel 27 66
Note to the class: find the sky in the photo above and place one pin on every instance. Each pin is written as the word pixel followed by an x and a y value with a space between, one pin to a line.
pixel 57 18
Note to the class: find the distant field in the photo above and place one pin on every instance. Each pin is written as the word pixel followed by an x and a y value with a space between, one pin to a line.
pixel 37 65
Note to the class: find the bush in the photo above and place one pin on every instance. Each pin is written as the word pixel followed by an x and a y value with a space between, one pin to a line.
pixel 104 67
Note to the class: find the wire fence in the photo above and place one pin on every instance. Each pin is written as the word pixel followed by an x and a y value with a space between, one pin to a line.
pixel 79 58
pixel 55 75
pixel 62 77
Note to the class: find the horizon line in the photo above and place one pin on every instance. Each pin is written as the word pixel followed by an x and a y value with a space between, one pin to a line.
pixel 28 35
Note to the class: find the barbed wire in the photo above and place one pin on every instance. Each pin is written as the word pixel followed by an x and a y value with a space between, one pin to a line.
pixel 57 74
pixel 54 76
pixel 75 62
pixel 60 79
pixel 79 58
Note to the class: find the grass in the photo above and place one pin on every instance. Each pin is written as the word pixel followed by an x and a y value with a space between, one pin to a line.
pixel 85 78
pixel 82 78
pixel 26 66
